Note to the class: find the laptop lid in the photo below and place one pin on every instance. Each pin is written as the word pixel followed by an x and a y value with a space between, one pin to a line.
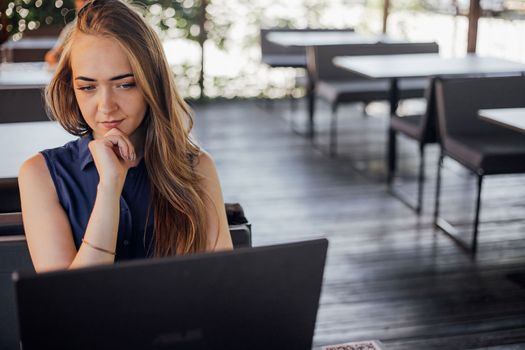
pixel 253 298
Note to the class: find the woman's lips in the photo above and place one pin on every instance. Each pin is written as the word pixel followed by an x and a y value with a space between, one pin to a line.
pixel 111 124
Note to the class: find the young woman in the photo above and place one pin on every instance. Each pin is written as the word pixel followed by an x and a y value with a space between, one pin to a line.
pixel 133 185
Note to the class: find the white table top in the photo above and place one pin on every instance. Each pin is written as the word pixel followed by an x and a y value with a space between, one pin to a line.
pixel 31 43
pixel 24 74
pixel 513 118
pixel 312 38
pixel 424 65
pixel 19 141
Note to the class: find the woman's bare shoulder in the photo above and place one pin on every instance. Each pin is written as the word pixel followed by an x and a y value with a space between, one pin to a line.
pixel 36 162
pixel 34 171
pixel 34 166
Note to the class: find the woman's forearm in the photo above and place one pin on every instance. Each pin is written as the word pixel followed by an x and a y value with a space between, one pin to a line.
pixel 100 238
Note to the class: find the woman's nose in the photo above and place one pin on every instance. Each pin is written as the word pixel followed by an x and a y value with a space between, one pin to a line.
pixel 107 103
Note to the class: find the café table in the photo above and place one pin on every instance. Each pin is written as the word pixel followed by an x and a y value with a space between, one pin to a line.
pixel 311 39
pixel 19 141
pixel 395 67
pixel 512 118
pixel 24 74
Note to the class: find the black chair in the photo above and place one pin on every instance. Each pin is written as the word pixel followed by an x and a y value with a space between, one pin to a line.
pixel 420 128
pixel 9 195
pixel 240 229
pixel 14 255
pixel 22 104
pixel 480 146
pixel 280 56
pixel 293 56
pixel 28 49
pixel 11 217
pixel 336 85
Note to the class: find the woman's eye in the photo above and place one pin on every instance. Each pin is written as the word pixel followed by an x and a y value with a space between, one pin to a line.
pixel 86 88
pixel 127 85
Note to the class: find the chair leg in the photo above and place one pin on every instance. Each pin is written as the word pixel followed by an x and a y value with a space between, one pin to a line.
pixel 420 180
pixel 474 245
pixel 293 108
pixel 311 112
pixel 268 104
pixel 333 131
pixel 438 189
pixel 391 169
pixel 293 103
pixel 392 155
pixel 449 229
pixel 365 105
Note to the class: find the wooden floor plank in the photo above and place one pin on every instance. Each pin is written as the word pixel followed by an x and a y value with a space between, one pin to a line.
pixel 390 275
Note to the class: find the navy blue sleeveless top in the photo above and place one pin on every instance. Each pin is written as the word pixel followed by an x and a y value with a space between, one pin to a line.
pixel 76 179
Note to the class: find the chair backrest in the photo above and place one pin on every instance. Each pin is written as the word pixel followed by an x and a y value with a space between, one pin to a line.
pixel 15 107
pixel 459 100
pixel 269 48
pixel 9 196
pixel 240 229
pixel 321 67
pixel 11 223
pixel 14 255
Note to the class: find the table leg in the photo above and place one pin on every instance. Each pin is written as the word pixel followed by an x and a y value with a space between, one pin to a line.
pixel 310 70
pixel 311 109
pixel 392 145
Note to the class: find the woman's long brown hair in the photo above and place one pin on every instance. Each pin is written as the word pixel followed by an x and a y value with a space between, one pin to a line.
pixel 169 154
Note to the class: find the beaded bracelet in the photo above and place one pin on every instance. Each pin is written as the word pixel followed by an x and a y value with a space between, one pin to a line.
pixel 98 248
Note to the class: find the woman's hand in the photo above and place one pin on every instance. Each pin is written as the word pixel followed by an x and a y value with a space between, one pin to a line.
pixel 113 154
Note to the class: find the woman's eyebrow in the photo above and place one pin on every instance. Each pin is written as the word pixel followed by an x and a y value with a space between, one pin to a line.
pixel 122 76
pixel 118 77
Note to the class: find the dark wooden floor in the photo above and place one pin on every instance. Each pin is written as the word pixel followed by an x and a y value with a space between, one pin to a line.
pixel 389 274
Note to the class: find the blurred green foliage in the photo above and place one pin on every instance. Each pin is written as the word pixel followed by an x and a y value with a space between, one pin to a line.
pixel 19 16
pixel 173 18
pixel 178 18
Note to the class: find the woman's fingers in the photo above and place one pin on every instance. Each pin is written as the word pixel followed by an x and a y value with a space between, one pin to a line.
pixel 121 142
pixel 118 145
pixel 113 155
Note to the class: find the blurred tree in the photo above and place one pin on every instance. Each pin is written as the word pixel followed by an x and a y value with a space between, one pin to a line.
pixel 173 18
pixel 20 16
pixel 179 19
pixel 3 22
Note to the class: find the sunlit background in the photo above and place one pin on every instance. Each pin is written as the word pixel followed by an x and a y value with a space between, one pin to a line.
pixel 228 30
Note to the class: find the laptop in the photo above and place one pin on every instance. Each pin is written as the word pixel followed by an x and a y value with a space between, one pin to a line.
pixel 249 299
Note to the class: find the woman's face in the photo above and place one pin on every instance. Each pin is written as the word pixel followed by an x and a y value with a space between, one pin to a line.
pixel 104 85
